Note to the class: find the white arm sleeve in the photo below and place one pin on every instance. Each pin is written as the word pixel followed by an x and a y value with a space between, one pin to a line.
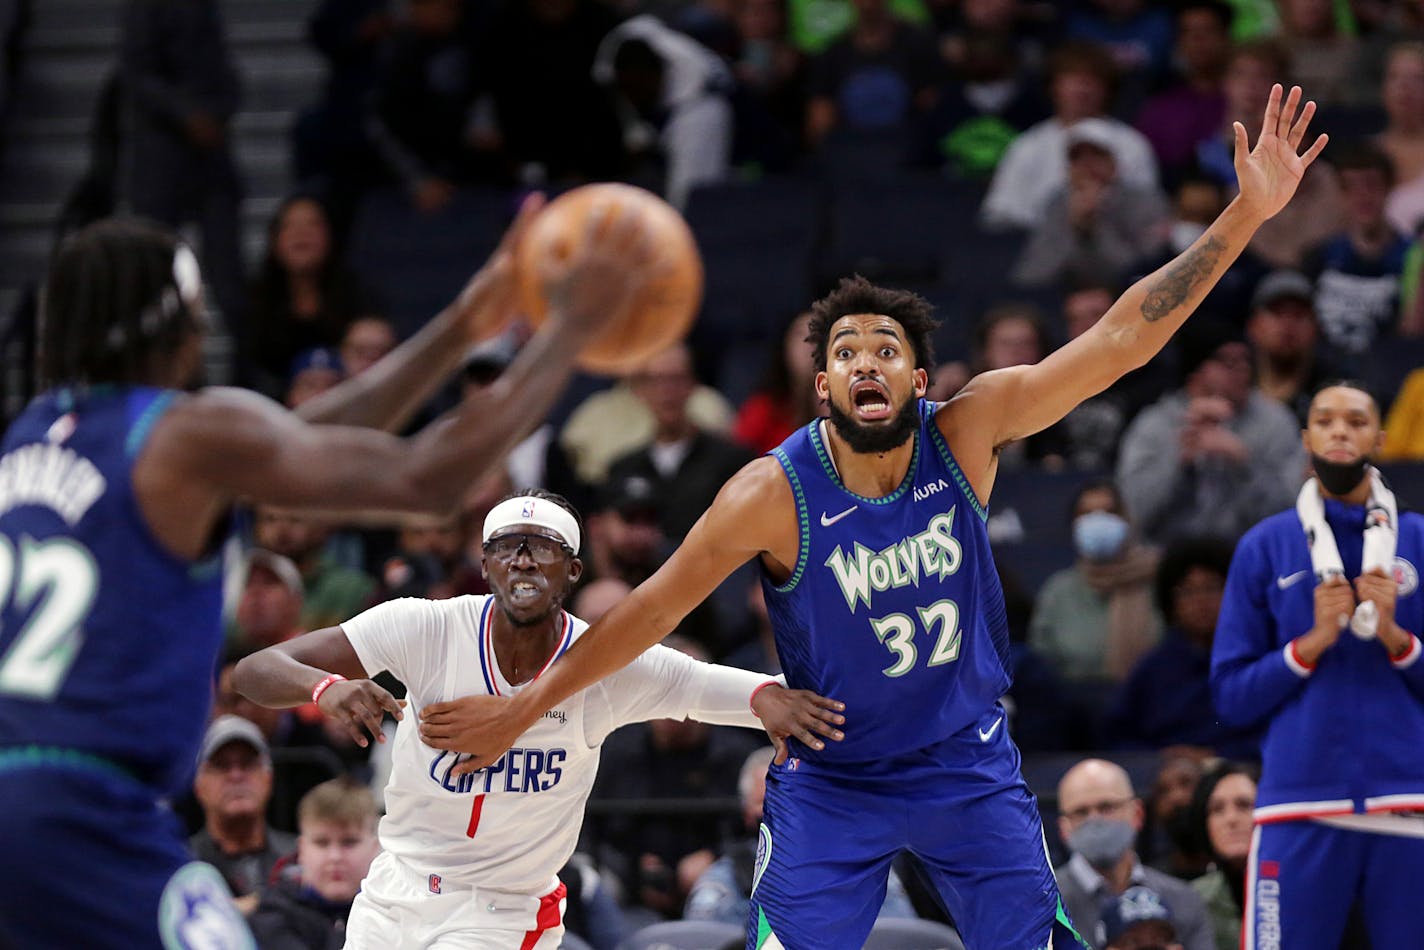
pixel 395 636
pixel 665 684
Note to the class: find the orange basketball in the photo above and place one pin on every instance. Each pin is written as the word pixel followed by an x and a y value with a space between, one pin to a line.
pixel 666 306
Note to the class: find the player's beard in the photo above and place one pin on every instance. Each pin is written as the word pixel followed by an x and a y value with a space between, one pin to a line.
pixel 875 439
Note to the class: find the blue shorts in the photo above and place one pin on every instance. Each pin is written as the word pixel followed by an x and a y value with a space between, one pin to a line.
pixel 828 839
pixel 92 859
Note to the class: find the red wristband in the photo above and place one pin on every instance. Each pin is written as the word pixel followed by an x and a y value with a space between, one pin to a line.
pixel 752 700
pixel 1295 655
pixel 322 686
pixel 1404 654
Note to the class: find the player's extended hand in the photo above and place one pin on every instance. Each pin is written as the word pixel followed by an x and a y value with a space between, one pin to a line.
pixel 595 283
pixel 491 298
pixel 797 713
pixel 360 706
pixel 481 727
pixel 1269 174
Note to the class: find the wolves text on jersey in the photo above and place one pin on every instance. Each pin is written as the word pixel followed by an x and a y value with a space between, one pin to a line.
pixel 935 550
pixel 518 770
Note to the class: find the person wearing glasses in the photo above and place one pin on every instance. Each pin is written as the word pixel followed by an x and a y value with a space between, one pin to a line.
pixel 477 856
pixel 1099 816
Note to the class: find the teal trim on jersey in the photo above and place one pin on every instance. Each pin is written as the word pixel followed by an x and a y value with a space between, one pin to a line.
pixel 1061 918
pixel 894 496
pixel 804 548
pixel 144 424
pixel 958 472
pixel 763 929
pixel 39 756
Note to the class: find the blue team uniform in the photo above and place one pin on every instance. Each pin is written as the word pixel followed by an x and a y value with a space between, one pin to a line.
pixel 1342 740
pixel 894 608
pixel 108 645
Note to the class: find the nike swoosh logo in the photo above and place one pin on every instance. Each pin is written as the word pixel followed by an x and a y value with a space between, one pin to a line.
pixel 1289 580
pixel 986 734
pixel 828 520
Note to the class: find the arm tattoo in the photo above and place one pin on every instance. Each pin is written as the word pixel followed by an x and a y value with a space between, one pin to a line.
pixel 1186 273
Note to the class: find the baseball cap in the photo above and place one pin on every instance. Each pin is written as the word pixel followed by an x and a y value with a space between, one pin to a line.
pixel 280 566
pixel 1139 908
pixel 317 357
pixel 1098 133
pixel 1282 285
pixel 630 494
pixel 229 728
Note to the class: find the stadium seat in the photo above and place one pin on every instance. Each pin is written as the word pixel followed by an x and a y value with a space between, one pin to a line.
pixel 897 228
pixel 898 933
pixel 685 935
pixel 417 262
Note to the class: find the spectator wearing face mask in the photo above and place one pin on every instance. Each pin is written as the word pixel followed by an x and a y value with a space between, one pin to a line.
pixel 1099 816
pixel 1166 700
pixel 1095 620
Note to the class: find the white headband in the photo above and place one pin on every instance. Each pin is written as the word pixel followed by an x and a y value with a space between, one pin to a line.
pixel 525 509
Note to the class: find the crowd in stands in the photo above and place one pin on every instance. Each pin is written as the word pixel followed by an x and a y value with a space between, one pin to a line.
pixel 1093 142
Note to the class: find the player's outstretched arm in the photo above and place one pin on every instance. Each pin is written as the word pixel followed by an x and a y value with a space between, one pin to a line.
pixel 388 394
pixel 753 513
pixel 288 674
pixel 244 446
pixel 1000 406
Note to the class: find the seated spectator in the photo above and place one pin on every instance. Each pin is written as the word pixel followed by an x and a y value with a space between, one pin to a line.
pixel 1095 226
pixel 366 340
pixel 269 609
pixel 987 102
pixel 1402 95
pixel 816 24
pixel 614 422
pixel 1215 456
pixel 658 858
pixel 306 908
pixel 429 560
pixel 1190 111
pixel 302 297
pixel 1323 50
pixel 333 592
pixel 626 540
pixel 1223 809
pixel 1357 270
pixel 1168 841
pixel 786 399
pixel 1404 427
pixel 313 372
pixel 1284 334
pixel 1166 700
pixel 233 785
pixel 1096 619
pixel 672 98
pixel 770 99
pixel 419 112
pixel 590 911
pixel 686 464
pixel 880 74
pixel 1136 33
pixel 1036 165
pixel 1139 920
pixel 723 891
pixel 1098 817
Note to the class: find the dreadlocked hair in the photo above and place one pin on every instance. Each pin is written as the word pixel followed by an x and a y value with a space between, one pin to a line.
pixel 111 305
pixel 858 295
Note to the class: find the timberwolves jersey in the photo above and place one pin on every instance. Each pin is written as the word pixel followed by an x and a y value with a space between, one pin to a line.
pixel 108 642
pixel 893 606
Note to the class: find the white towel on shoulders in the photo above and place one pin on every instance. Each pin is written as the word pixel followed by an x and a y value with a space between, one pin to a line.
pixel 1381 534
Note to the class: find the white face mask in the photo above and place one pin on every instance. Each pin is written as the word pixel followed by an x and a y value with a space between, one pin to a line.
pixel 1099 535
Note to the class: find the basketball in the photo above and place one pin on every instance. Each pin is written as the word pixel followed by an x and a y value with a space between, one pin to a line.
pixel 666 305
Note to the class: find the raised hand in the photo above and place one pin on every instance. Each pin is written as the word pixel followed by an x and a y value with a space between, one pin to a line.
pixel 1269 174
pixel 491 298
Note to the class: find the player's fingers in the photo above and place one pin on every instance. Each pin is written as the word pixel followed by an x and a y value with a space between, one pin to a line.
pixel 1297 131
pixel 1272 117
pixel 779 744
pixel 825 729
pixel 431 734
pixel 808 738
pixel 465 766
pixel 828 703
pixel 825 715
pixel 353 729
pixel 1315 150
pixel 1288 110
pixel 391 704
pixel 372 717
pixel 436 711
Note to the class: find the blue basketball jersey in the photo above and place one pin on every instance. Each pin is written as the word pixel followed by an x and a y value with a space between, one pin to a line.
pixel 893 606
pixel 108 642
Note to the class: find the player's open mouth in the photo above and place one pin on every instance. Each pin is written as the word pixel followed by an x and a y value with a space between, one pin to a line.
pixel 523 591
pixel 870 400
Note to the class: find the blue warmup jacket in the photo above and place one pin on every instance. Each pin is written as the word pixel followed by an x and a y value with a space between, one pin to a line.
pixel 1347 737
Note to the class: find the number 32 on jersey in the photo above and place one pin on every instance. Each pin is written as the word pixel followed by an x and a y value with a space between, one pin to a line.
pixel 897 632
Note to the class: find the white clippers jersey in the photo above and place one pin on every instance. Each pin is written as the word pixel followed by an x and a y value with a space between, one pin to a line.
pixel 511 826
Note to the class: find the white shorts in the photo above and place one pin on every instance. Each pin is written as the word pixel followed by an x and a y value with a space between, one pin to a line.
pixel 401 909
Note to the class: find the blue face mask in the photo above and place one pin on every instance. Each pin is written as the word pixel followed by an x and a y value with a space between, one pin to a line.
pixel 1099 535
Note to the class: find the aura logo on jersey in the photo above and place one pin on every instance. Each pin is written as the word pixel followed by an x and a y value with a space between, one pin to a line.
pixel 934 551
pixel 519 771
pixel 924 491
